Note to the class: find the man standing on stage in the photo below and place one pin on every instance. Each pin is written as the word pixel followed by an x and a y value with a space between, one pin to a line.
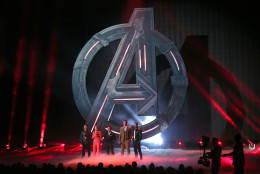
pixel 215 155
pixel 137 137
pixel 110 138
pixel 85 138
pixel 125 138
pixel 238 155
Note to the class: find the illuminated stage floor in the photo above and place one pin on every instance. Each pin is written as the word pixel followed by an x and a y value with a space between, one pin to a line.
pixel 160 157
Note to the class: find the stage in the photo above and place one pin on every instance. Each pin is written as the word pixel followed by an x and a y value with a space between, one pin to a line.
pixel 160 157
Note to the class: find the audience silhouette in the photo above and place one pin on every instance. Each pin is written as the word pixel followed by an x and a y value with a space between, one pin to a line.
pixel 82 169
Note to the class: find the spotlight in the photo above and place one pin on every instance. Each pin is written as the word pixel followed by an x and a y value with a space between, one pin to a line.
pixel 179 143
pixel 62 146
pixel 220 143
pixel 41 146
pixel 251 146
pixel 200 144
pixel 25 148
pixel 156 139
pixel 7 147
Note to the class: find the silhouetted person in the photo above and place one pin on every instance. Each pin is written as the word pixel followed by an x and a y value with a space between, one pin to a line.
pixel 60 168
pixel 134 165
pixel 199 171
pixel 189 169
pixel 69 170
pixel 110 168
pixel 170 170
pixel 80 168
pixel 85 140
pixel 143 170
pixel 238 155
pixel 151 167
pixel 137 137
pixel 181 168
pixel 215 155
pixel 110 139
pixel 100 165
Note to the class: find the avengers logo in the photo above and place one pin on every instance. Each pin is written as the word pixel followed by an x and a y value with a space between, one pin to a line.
pixel 138 37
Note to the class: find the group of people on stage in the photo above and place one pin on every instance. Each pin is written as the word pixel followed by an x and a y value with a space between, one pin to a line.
pixel 126 135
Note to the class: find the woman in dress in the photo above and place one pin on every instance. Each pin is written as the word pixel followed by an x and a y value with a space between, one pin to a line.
pixel 96 136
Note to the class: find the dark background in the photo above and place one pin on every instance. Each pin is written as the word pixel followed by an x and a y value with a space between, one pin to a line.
pixel 218 41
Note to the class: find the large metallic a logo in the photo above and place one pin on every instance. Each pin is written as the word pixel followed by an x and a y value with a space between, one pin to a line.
pixel 138 37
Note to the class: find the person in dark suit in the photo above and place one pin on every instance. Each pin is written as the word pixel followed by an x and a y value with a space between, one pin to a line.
pixel 85 140
pixel 238 155
pixel 110 139
pixel 137 137
pixel 215 155
pixel 125 138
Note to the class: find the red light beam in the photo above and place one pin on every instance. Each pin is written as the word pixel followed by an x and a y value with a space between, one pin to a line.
pixel 176 24
pixel 34 55
pixel 236 109
pixel 17 76
pixel 50 71
pixel 21 45
pixel 216 106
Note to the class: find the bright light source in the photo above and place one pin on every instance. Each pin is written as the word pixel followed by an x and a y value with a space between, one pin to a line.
pixel 147 119
pixel 91 49
pixel 219 143
pixel 175 61
pixel 156 139
pixel 7 147
pixel 122 59
pixel 99 113
pixel 180 143
pixel 128 99
pixel 144 57
pixel 251 146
